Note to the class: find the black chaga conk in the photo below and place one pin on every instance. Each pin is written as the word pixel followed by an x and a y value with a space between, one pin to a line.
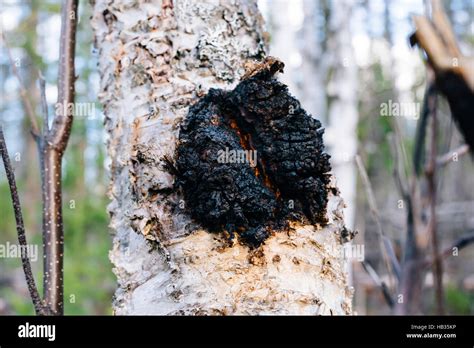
pixel 250 159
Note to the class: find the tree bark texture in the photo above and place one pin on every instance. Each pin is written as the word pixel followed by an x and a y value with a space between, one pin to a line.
pixel 156 58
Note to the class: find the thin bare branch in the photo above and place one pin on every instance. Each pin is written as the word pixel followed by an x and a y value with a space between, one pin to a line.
pixel 20 227
pixel 450 156
pixel 404 164
pixel 410 285
pixel 398 169
pixel 459 244
pixel 379 282
pixel 62 123
pixel 44 104
pixel 53 149
pixel 385 245
pixel 419 148
pixel 430 174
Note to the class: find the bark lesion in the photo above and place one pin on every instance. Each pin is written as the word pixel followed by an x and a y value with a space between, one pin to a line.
pixel 289 176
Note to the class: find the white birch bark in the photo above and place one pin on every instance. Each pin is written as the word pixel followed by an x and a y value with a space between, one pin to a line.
pixel 155 59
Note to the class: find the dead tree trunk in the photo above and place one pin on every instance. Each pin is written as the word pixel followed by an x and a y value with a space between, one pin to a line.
pixel 157 58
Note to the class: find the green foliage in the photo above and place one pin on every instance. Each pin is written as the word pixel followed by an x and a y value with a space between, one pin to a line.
pixel 89 281
pixel 459 301
pixel 87 270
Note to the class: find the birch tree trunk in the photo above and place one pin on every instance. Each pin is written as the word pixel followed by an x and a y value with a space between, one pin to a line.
pixel 155 59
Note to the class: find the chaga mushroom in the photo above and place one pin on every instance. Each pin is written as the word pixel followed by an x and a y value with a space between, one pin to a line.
pixel 251 159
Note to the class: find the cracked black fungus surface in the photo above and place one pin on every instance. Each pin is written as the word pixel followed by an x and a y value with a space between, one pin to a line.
pixel 290 178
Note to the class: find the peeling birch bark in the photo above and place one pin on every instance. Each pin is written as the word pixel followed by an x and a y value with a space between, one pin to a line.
pixel 156 58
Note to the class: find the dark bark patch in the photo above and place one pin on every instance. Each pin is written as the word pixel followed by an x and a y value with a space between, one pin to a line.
pixel 461 102
pixel 251 159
